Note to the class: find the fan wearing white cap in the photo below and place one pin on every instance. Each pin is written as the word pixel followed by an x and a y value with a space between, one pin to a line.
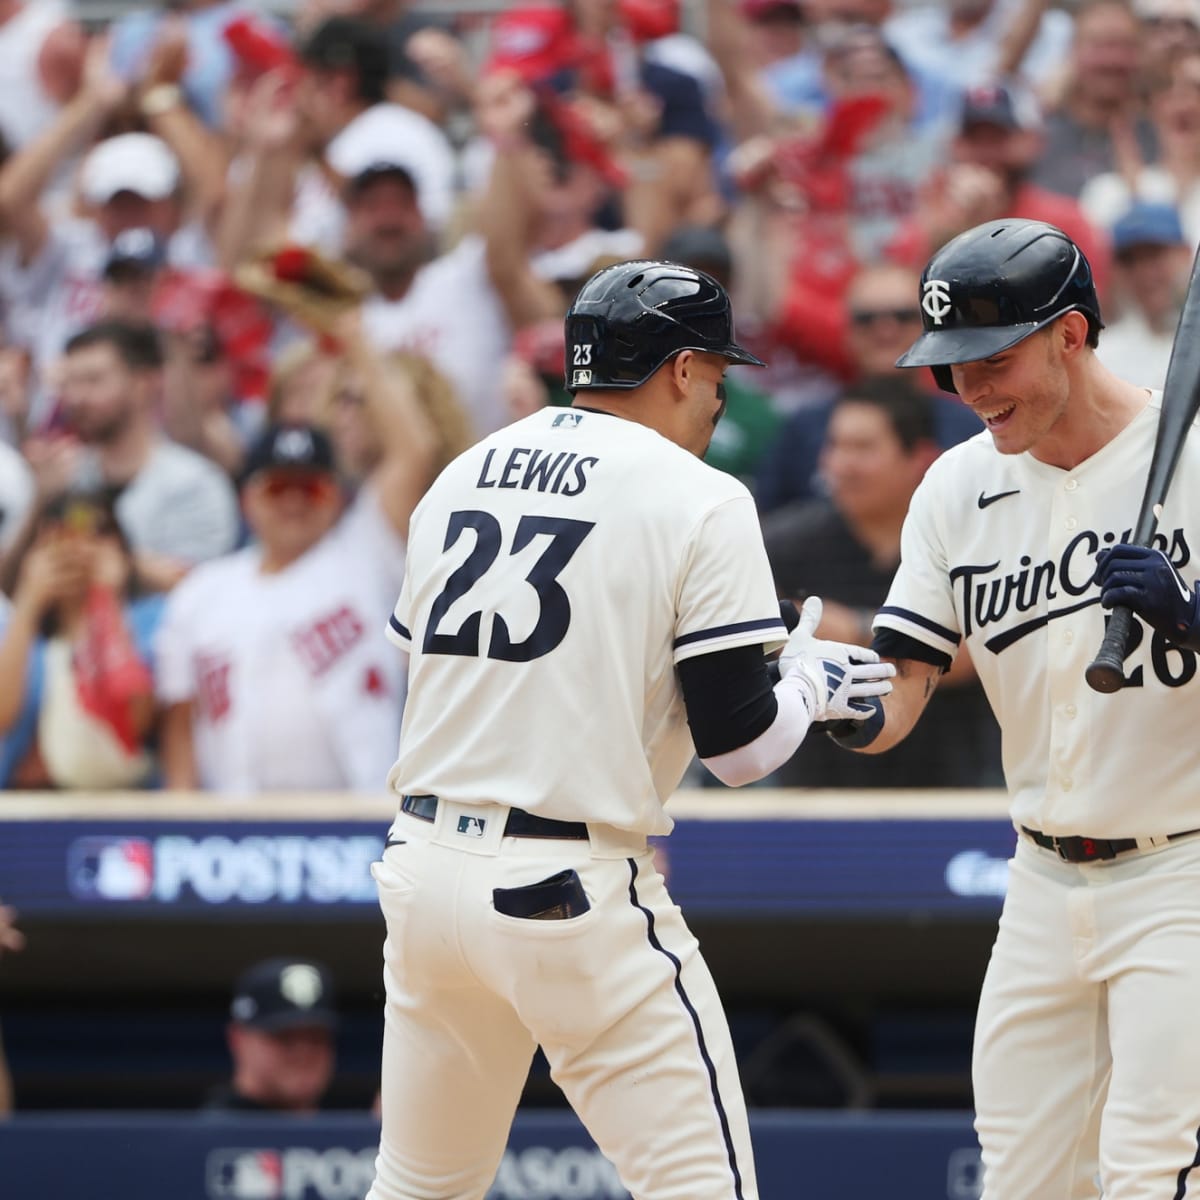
pixel 51 269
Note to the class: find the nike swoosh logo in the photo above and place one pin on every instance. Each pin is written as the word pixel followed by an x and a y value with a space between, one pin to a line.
pixel 984 501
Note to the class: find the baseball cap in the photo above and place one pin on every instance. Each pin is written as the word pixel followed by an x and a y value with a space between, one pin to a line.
pixel 390 138
pixel 284 993
pixel 1147 223
pixel 135 250
pixel 1000 106
pixel 130 162
pixel 289 447
pixel 536 43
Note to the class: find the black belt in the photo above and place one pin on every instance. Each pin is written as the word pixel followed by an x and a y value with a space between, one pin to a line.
pixel 519 823
pixel 1089 849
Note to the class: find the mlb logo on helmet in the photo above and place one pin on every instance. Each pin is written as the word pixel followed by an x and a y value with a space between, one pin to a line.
pixel 581 379
pixel 110 868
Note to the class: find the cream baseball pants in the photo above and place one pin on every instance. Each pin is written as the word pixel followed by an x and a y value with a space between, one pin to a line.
pixel 1087 1043
pixel 618 998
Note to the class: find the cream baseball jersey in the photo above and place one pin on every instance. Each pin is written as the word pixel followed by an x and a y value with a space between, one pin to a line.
pixel 570 541
pixel 999 551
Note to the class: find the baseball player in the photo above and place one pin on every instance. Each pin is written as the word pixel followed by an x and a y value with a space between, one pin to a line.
pixel 1086 1060
pixel 586 604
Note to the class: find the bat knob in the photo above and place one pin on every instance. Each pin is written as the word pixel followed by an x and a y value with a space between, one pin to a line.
pixel 1104 676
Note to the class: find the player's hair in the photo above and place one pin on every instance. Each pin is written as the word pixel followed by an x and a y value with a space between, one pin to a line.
pixel 908 408
pixel 346 43
pixel 136 342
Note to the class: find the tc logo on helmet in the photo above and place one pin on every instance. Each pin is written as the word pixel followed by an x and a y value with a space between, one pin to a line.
pixel 936 301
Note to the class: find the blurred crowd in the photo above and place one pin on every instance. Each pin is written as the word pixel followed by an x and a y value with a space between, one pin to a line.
pixel 264 271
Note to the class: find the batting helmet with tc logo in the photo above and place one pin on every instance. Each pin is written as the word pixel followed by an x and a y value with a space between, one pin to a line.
pixel 993 286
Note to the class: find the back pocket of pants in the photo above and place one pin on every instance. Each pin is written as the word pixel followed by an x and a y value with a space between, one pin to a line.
pixel 558 898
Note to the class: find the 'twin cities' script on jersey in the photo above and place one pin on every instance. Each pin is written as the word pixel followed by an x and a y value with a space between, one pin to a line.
pixel 543 472
pixel 985 593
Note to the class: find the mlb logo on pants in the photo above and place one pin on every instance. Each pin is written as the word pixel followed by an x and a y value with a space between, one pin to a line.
pixel 471 826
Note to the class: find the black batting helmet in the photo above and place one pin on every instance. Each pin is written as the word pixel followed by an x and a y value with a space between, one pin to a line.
pixel 627 320
pixel 993 286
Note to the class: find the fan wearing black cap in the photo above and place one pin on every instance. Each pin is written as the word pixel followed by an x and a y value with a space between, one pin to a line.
pixel 999 139
pixel 1085 1058
pixel 269 675
pixel 281 1037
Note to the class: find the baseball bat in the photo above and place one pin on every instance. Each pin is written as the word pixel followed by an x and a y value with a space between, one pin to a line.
pixel 1180 403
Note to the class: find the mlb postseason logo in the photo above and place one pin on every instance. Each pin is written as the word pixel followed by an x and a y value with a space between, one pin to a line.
pixel 111 868
pixel 294 1173
pixel 251 868
pixel 244 1175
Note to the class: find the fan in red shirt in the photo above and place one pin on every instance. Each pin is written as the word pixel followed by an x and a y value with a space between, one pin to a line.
pixel 998 142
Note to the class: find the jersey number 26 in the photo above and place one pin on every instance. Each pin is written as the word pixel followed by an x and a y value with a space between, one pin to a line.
pixel 554 616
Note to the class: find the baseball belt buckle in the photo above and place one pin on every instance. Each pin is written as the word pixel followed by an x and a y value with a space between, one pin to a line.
pixel 1086 849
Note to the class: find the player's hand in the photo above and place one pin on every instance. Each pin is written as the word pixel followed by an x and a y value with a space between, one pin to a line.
pixel 839 680
pixel 1145 581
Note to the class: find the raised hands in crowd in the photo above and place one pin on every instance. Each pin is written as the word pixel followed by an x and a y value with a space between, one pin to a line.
pixel 469 172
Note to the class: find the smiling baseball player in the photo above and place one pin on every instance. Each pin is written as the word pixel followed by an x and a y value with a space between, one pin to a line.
pixel 586 605
pixel 1086 1059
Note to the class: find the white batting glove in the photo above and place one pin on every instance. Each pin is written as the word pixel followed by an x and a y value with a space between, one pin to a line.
pixel 837 679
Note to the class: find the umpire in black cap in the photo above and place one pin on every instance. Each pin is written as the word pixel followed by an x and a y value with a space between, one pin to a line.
pixel 281 1037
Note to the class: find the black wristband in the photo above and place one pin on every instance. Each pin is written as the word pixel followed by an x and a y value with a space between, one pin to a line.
pixel 855 735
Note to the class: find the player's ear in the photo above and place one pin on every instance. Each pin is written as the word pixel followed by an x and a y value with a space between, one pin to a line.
pixel 1072 330
pixel 681 370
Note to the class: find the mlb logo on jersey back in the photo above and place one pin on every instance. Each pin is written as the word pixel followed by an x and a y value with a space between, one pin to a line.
pixel 472 826
pixel 569 419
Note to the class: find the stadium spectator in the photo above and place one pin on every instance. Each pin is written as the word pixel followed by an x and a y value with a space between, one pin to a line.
pixel 52 265
pixel 860 340
pixel 270 672
pixel 1152 260
pixel 655 109
pixel 341 382
pixel 846 548
pixel 999 138
pixel 429 68
pixel 302 122
pixel 1174 179
pixel 76 690
pixel 1169 28
pixel 282 1039
pixel 817 206
pixel 548 180
pixel 1095 123
pixel 975 42
pixel 183 49
pixel 176 507
pixel 441 305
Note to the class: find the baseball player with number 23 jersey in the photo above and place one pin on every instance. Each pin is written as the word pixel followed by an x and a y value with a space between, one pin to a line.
pixel 586 605
pixel 1086 1059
